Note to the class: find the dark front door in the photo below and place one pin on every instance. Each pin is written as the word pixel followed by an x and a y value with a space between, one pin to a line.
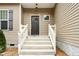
pixel 34 25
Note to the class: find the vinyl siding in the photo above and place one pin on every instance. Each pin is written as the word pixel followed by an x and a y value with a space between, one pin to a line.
pixel 67 21
pixel 43 25
pixel 12 36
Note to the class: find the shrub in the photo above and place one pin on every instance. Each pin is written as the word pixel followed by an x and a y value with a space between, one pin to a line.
pixel 2 42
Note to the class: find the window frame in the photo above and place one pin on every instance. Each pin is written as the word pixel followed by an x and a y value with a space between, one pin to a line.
pixel 46 15
pixel 5 20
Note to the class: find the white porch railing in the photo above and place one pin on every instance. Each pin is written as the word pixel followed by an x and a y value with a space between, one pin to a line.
pixel 52 35
pixel 23 34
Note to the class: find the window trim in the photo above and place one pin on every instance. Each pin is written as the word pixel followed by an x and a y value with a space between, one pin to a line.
pixel 46 15
pixel 5 20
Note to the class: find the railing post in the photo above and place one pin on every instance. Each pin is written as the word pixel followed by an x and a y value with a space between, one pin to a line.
pixel 52 35
pixel 48 30
pixel 23 33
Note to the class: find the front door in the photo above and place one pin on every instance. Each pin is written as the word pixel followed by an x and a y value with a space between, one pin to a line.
pixel 34 25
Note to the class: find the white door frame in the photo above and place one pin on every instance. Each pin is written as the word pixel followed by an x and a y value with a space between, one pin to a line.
pixel 39 21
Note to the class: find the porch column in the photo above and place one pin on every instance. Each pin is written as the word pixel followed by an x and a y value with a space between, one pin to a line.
pixel 19 28
pixel 20 16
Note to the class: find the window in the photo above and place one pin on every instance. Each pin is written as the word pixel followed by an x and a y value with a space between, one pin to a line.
pixel 3 24
pixel 6 19
pixel 46 17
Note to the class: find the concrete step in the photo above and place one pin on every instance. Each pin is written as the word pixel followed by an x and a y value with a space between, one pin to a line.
pixel 34 45
pixel 34 42
pixel 37 52
pixel 45 47
pixel 37 40
pixel 38 37
pixel 37 46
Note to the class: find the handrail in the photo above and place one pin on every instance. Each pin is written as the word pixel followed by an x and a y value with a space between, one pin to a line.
pixel 23 33
pixel 52 35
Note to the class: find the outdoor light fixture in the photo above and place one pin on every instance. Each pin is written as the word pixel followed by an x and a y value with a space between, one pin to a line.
pixel 36 8
pixel 36 4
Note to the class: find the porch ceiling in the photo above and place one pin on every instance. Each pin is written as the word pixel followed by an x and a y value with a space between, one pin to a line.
pixel 40 5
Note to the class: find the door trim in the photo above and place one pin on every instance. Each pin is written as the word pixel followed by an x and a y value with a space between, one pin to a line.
pixel 39 21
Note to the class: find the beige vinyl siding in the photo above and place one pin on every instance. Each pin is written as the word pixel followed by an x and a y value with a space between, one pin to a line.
pixel 12 36
pixel 67 21
pixel 43 25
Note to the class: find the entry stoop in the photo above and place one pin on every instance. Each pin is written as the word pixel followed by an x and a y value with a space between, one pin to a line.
pixel 37 45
